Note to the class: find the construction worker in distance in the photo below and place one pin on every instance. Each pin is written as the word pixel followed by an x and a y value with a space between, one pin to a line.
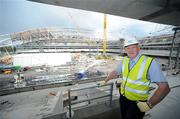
pixel 138 71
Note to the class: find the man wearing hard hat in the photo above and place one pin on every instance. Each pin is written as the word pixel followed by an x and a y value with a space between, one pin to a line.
pixel 138 71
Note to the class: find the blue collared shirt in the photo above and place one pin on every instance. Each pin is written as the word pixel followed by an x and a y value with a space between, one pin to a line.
pixel 154 73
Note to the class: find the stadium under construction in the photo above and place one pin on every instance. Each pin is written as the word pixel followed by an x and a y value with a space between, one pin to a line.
pixel 52 73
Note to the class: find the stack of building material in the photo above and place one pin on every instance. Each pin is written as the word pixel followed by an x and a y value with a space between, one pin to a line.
pixel 6 60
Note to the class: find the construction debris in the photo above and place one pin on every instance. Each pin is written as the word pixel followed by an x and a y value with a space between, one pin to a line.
pixel 6 60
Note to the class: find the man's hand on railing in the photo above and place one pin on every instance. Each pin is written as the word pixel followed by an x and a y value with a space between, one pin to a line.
pixel 100 83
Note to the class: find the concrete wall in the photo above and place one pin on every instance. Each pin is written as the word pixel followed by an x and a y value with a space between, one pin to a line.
pixel 99 111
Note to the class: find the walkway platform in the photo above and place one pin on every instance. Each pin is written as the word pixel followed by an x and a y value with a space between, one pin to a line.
pixel 47 104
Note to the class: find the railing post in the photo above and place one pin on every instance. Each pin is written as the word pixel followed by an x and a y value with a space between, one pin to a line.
pixel 171 51
pixel 177 57
pixel 69 99
pixel 111 93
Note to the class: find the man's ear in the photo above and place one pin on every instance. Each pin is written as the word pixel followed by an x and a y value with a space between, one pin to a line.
pixel 125 49
pixel 138 47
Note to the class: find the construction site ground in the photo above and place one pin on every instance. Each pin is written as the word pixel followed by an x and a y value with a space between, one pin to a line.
pixel 35 74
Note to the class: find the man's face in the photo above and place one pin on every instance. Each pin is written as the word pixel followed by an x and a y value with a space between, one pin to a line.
pixel 132 50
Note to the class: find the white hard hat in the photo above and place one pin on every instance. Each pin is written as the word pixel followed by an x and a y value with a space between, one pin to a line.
pixel 130 41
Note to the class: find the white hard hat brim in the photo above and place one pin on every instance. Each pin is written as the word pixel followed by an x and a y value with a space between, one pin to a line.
pixel 131 44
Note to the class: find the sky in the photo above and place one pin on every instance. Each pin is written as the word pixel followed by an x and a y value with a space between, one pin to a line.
pixel 22 15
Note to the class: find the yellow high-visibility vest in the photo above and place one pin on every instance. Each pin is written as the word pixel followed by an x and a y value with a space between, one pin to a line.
pixel 134 83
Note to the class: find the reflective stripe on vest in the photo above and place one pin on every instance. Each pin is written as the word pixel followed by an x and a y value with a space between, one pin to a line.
pixel 134 84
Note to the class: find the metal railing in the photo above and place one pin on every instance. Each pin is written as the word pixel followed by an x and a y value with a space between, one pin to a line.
pixel 92 93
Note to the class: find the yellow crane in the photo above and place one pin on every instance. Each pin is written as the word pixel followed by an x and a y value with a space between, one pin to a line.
pixel 90 42
pixel 105 36
pixel 104 56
